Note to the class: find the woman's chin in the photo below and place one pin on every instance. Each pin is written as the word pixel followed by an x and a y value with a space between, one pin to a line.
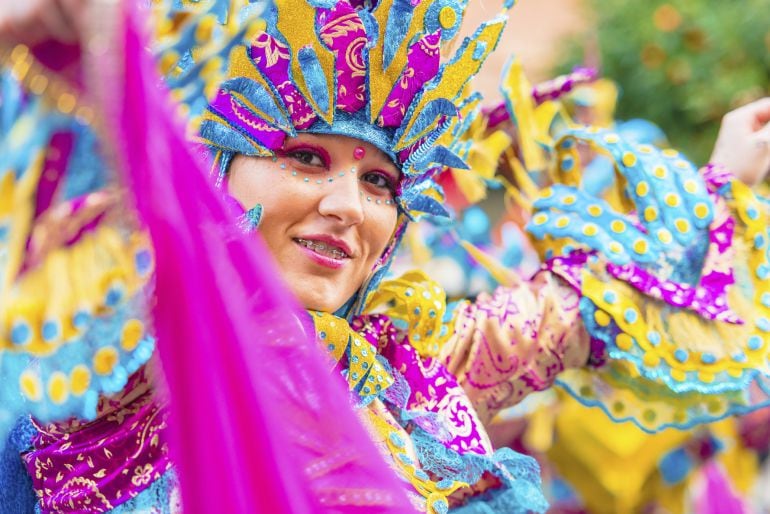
pixel 319 304
pixel 316 294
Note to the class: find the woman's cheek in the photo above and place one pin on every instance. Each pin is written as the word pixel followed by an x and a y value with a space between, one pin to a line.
pixel 385 226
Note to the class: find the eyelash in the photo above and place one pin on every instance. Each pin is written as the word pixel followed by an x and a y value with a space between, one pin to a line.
pixel 388 184
pixel 298 153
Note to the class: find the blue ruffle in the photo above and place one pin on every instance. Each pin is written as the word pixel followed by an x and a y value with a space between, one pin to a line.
pixel 521 490
pixel 103 331
pixel 16 493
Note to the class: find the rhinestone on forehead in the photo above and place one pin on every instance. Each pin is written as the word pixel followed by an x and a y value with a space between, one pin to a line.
pixel 359 153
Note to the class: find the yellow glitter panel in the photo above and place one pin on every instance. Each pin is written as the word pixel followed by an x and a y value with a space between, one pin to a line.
pixel 296 20
pixel 454 75
pixel 683 329
pixel 16 210
pixel 419 302
pixel 469 107
pixel 518 92
pixel 333 332
pixel 364 369
pixel 381 80
pixel 336 337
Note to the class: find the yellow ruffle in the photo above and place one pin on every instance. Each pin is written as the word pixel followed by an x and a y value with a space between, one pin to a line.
pixel 420 304
pixel 51 304
pixel 683 340
pixel 615 467
pixel 339 339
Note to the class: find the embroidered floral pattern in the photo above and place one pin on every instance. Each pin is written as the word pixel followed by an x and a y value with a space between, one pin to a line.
pixel 103 463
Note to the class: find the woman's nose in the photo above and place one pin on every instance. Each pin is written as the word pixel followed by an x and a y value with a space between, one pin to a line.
pixel 342 199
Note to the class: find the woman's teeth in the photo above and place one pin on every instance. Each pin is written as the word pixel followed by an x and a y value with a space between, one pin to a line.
pixel 323 248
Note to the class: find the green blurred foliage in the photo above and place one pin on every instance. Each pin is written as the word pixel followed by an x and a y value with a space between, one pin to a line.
pixel 682 64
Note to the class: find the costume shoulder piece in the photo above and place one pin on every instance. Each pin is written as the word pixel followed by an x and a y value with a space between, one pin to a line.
pixel 670 263
pixel 673 271
pixel 75 269
pixel 72 322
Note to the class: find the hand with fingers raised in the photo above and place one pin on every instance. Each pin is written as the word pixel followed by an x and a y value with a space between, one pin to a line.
pixel 743 144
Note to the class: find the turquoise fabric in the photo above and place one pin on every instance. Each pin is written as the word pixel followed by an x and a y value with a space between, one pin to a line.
pixel 16 493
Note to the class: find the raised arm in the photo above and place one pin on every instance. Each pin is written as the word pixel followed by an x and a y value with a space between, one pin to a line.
pixel 515 341
pixel 644 284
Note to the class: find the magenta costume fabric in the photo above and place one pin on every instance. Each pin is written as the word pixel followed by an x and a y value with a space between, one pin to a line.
pixel 73 465
pixel 433 388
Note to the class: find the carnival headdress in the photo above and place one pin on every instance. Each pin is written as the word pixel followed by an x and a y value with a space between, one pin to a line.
pixel 372 72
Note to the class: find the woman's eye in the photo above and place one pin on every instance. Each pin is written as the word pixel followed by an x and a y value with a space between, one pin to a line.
pixel 379 180
pixel 307 157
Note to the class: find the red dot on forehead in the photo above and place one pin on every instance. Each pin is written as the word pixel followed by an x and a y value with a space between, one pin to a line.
pixel 359 153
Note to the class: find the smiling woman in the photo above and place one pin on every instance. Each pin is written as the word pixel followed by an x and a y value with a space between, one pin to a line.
pixel 327 239
pixel 328 123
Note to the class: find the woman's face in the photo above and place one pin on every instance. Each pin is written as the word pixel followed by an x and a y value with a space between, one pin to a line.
pixel 328 212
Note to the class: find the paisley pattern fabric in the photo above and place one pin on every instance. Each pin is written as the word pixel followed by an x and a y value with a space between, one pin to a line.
pixel 100 464
pixel 515 341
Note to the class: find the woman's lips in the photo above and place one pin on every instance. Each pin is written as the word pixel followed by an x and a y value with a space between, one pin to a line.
pixel 323 253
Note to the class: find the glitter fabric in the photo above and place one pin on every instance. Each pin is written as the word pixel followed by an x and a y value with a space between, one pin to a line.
pixel 360 75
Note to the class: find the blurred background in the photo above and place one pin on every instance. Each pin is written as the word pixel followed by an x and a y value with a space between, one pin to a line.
pixel 681 64
pixel 673 69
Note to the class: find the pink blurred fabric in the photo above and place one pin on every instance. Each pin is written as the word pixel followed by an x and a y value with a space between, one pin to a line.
pixel 259 423
pixel 716 495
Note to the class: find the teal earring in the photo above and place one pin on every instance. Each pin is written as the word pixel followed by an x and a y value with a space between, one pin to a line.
pixel 249 220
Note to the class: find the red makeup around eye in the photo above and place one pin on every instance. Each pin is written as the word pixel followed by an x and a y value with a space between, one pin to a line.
pixel 306 147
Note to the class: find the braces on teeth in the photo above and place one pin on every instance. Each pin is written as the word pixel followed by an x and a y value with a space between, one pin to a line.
pixel 323 248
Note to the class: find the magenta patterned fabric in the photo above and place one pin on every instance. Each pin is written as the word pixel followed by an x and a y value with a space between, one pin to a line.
pixel 422 63
pixel 560 86
pixel 569 268
pixel 228 106
pixel 433 388
pixel 54 166
pixel 96 466
pixel 343 32
pixel 715 176
pixel 272 58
